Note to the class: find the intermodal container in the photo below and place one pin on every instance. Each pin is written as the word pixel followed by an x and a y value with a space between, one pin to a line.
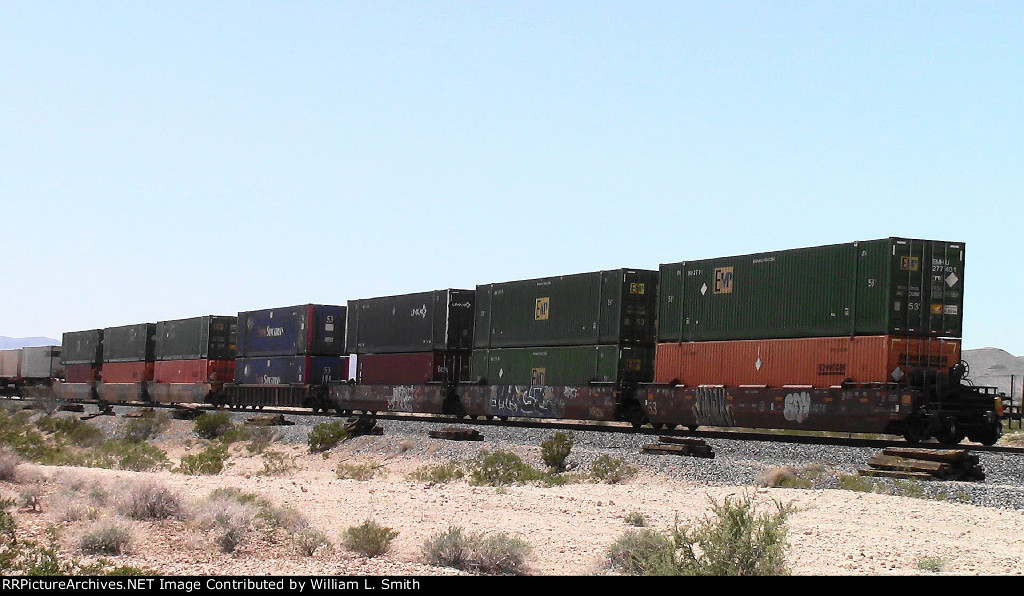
pixel 288 370
pixel 421 322
pixel 194 370
pixel 129 343
pixel 564 365
pixel 818 361
pixel 413 368
pixel 41 362
pixel 10 364
pixel 308 329
pixel 209 337
pixel 82 347
pixel 892 286
pixel 604 307
pixel 127 372
pixel 80 373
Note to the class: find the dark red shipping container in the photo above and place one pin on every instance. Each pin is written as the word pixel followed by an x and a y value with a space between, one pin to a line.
pixel 79 373
pixel 193 371
pixel 126 372
pixel 412 368
pixel 817 361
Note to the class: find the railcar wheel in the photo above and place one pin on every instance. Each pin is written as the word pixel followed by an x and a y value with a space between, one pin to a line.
pixel 950 434
pixel 692 428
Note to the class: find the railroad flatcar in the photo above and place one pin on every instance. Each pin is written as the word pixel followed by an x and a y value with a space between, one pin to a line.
pixel 859 337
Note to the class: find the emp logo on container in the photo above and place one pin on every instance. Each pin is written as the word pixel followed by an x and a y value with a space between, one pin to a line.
pixel 723 280
pixel 910 263
pixel 542 309
pixel 637 289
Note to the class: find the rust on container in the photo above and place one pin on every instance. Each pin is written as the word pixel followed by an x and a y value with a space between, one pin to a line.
pixel 814 362
pixel 194 371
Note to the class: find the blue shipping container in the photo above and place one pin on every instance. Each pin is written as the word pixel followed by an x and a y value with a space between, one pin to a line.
pixel 308 329
pixel 289 370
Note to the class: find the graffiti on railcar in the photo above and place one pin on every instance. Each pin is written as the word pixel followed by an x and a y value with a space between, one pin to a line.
pixel 797 406
pixel 512 400
pixel 402 399
pixel 712 407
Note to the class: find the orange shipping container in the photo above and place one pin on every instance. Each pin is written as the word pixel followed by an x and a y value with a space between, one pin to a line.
pixel 816 361
pixel 126 372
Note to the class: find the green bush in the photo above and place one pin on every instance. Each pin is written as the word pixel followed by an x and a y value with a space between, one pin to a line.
pixel 735 541
pixel 500 468
pixel 369 538
pixel 359 472
pixel 145 427
pixel 497 554
pixel 208 462
pixel 309 542
pixel 611 470
pixel 635 518
pixel 326 435
pixel 438 474
pixel 276 463
pixel 106 539
pixel 212 425
pixel 554 451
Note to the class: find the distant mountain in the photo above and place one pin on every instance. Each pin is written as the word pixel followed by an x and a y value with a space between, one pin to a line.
pixel 11 343
pixel 995 367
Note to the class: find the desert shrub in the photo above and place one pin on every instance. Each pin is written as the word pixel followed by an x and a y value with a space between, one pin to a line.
pixel 933 564
pixel 229 519
pixel 369 539
pixel 149 500
pixel 276 463
pixel 207 462
pixel 145 427
pixel 72 430
pixel 499 468
pixel 498 554
pixel 106 539
pixel 438 474
pixel 611 470
pixel 9 462
pixel 554 451
pixel 212 425
pixel 130 455
pixel 810 476
pixel 326 435
pixel 309 542
pixel 635 518
pixel 260 437
pixel 286 518
pixel 364 471
pixel 640 552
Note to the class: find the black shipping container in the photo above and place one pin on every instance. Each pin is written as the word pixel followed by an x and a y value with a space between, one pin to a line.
pixel 603 307
pixel 82 347
pixel 210 337
pixel 307 329
pixel 422 322
pixel 129 343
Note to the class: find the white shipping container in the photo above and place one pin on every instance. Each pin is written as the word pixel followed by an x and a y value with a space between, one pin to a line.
pixel 41 362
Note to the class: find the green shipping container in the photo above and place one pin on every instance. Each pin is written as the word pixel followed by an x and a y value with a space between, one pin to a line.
pixel 603 307
pixel 892 286
pixel 564 365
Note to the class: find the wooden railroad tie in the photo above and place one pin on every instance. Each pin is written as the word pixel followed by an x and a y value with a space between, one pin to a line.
pixel 924 464
pixel 681 446
pixel 107 411
pixel 363 425
pixel 72 408
pixel 456 434
pixel 186 412
pixel 269 420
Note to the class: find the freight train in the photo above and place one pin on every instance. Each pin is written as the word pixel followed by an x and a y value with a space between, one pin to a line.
pixel 859 337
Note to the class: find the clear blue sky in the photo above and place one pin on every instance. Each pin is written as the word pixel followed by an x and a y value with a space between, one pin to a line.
pixel 161 160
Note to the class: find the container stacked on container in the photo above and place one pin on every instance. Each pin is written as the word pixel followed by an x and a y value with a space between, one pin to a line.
pixel 293 345
pixel 566 330
pixel 128 353
pixel 412 339
pixel 196 350
pixel 82 355
pixel 863 312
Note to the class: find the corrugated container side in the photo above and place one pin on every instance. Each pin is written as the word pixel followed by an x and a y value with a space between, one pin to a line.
pixel 564 365
pixel 876 287
pixel 420 322
pixel 80 373
pixel 819 362
pixel 287 370
pixel 41 362
pixel 307 329
pixel 126 372
pixel 129 343
pixel 604 307
pixel 208 337
pixel 10 363
pixel 82 347
pixel 194 370
pixel 413 368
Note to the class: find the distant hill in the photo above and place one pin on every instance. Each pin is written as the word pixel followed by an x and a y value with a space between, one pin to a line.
pixel 995 367
pixel 11 343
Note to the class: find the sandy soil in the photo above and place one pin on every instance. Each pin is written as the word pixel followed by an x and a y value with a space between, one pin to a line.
pixel 569 527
